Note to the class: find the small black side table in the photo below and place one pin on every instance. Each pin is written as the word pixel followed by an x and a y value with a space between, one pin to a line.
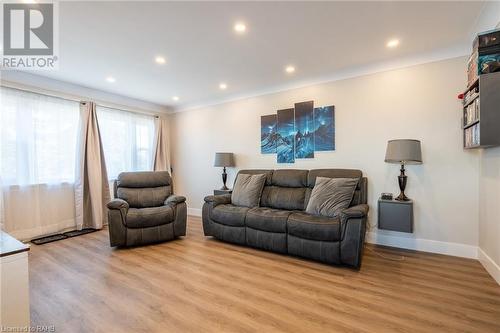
pixel 395 215
pixel 222 192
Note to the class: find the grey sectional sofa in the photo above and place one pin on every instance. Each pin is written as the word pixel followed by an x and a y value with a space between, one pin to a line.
pixel 281 225
pixel 145 210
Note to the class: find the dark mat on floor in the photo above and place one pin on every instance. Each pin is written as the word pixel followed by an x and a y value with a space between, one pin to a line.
pixel 48 239
pixel 78 232
pixel 64 235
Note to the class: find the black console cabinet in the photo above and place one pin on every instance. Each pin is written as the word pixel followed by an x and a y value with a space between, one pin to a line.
pixel 395 215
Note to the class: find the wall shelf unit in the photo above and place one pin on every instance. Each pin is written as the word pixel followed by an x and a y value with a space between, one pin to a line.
pixel 481 112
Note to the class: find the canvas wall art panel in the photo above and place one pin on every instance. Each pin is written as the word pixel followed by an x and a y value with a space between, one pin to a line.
pixel 304 130
pixel 285 136
pixel 268 134
pixel 298 132
pixel 324 128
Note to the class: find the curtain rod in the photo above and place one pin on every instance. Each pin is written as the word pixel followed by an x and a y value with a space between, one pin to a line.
pixel 73 98
pixel 116 108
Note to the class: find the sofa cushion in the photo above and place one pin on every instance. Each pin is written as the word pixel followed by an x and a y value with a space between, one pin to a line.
pixel 149 217
pixel 283 197
pixel 268 173
pixel 267 219
pixel 247 190
pixel 143 179
pixel 290 178
pixel 230 215
pixel 144 197
pixel 331 195
pixel 331 173
pixel 319 228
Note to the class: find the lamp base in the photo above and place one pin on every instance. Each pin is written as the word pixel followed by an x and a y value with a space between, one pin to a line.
pixel 402 185
pixel 224 179
pixel 402 197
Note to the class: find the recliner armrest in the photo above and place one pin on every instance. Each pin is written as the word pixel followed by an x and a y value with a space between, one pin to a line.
pixel 218 199
pixel 118 204
pixel 358 211
pixel 175 199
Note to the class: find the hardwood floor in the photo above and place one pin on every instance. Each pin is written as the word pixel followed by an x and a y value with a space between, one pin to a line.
pixel 199 284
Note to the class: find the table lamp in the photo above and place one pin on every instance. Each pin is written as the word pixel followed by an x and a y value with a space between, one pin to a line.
pixel 224 160
pixel 403 152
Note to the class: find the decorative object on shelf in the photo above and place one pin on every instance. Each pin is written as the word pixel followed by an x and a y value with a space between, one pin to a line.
pixel 386 196
pixel 298 132
pixel 403 152
pixel 485 57
pixel 224 160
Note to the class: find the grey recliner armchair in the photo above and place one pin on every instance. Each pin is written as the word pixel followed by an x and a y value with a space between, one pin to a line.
pixel 145 210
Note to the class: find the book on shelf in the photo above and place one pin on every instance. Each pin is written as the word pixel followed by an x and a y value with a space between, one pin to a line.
pixel 471 112
pixel 472 136
pixel 471 95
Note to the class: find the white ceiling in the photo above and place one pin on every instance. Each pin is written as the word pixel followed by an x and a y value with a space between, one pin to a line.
pixel 322 39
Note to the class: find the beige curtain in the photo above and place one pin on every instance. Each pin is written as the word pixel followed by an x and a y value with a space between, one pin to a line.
pixel 91 183
pixel 161 160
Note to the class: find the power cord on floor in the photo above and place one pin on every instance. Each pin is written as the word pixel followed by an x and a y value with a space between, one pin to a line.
pixel 399 258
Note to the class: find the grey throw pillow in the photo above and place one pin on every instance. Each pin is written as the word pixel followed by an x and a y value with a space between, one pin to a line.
pixel 247 190
pixel 331 195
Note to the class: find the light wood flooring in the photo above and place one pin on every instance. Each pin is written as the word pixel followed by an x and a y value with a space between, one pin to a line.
pixel 198 284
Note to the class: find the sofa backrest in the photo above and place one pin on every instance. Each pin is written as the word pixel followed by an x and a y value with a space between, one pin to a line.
pixel 143 189
pixel 291 189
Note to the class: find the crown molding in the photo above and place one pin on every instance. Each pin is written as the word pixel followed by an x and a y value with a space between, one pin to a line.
pixel 63 89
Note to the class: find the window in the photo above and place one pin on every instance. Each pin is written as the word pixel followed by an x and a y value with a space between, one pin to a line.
pixel 38 138
pixel 127 139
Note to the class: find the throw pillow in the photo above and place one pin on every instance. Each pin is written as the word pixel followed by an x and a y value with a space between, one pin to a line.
pixel 331 195
pixel 247 190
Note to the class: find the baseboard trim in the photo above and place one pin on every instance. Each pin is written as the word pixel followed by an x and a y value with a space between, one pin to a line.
pixel 490 266
pixel 425 245
pixel 194 212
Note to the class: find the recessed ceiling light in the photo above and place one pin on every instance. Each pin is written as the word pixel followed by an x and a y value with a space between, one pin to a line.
pixel 111 79
pixel 290 69
pixel 240 27
pixel 175 98
pixel 160 60
pixel 392 43
pixel 222 86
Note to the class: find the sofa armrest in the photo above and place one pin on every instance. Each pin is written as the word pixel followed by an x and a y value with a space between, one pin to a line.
pixel 118 204
pixel 218 199
pixel 353 224
pixel 117 216
pixel 357 211
pixel 175 199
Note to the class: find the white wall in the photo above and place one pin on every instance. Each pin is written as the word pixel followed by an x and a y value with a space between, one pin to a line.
pixel 489 207
pixel 489 210
pixel 418 102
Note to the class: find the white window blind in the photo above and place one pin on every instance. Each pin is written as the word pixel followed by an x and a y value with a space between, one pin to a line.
pixel 128 140
pixel 38 136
